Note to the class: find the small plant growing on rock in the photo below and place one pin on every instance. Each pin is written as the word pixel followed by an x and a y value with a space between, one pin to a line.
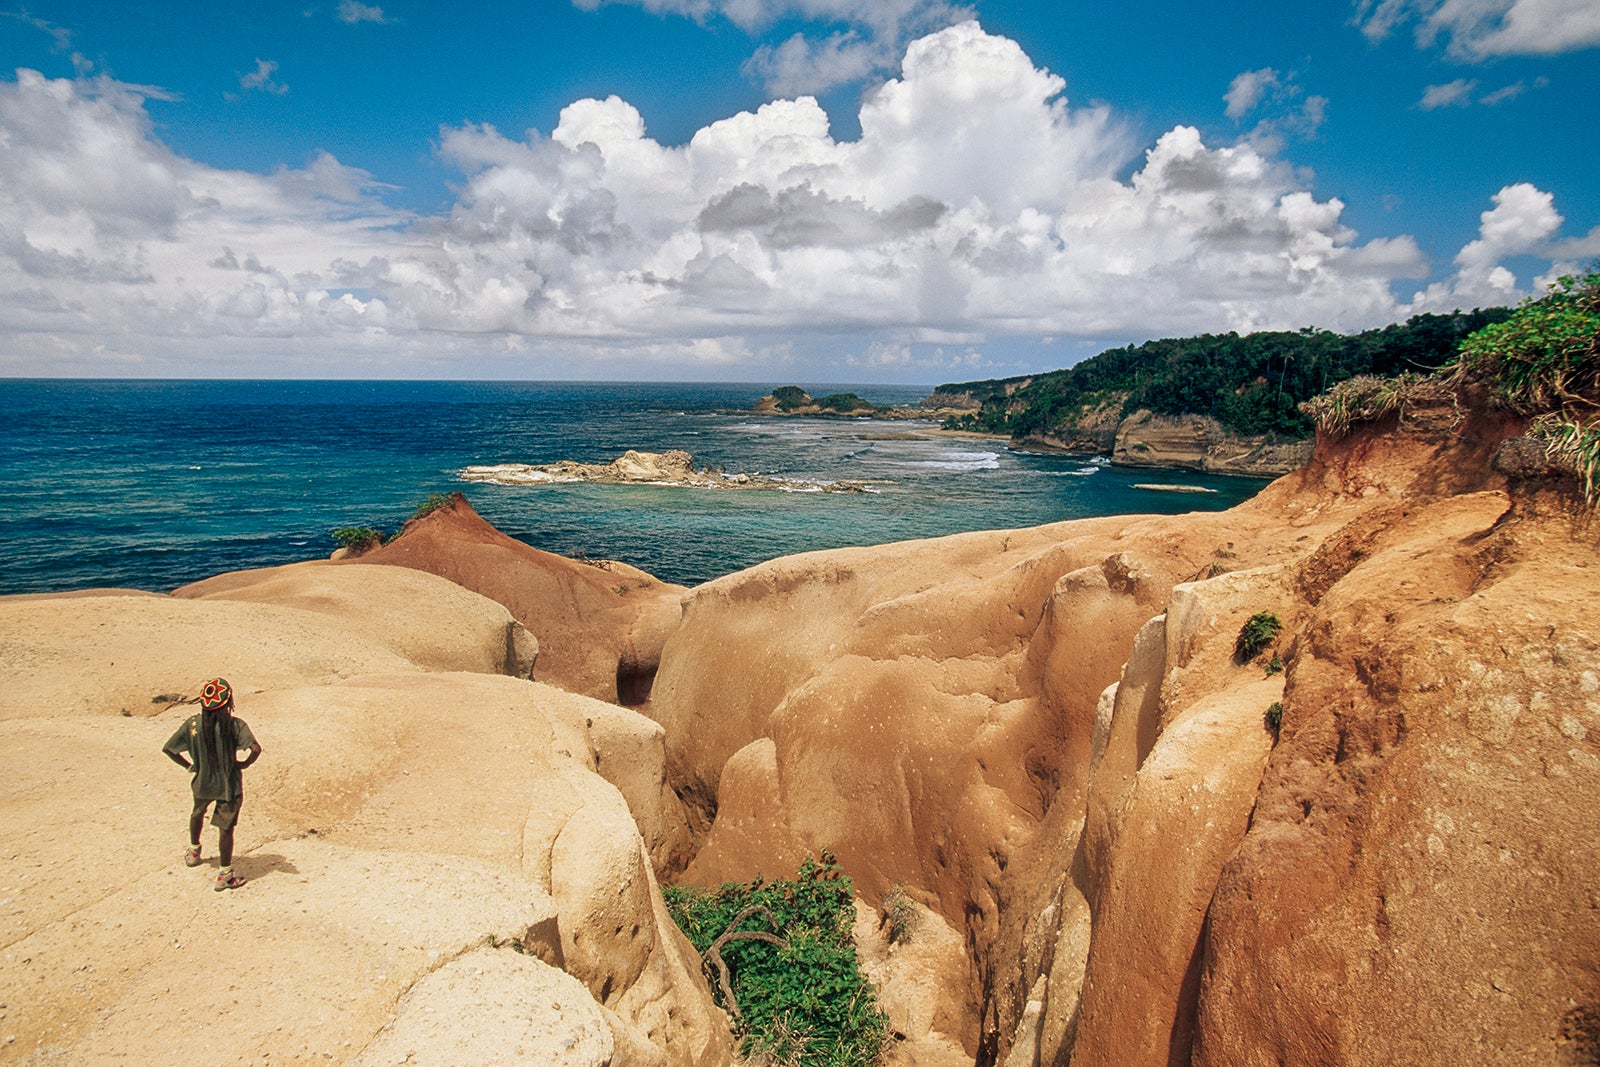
pixel 357 539
pixel 434 502
pixel 1256 634
pixel 1274 716
pixel 782 963
pixel 900 914
pixel 1275 666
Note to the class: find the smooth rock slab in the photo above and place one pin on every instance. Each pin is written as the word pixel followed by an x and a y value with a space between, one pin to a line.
pixel 494 1006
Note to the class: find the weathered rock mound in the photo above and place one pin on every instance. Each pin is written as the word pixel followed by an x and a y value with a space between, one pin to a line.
pixel 600 626
pixel 413 810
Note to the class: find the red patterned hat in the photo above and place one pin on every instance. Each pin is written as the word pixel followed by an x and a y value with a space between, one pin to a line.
pixel 216 695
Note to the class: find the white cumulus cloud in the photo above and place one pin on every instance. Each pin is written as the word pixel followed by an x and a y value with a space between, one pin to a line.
pixel 977 203
pixel 1523 221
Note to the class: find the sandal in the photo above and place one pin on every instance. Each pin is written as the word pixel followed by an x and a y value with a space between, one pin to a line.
pixel 191 856
pixel 228 880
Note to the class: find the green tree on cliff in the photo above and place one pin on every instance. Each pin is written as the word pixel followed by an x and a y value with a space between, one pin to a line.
pixel 1544 361
pixel 1546 356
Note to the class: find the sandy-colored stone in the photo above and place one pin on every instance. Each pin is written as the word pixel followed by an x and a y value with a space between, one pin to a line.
pixel 630 752
pixel 939 723
pixel 1043 736
pixel 924 1017
pixel 493 1007
pixel 284 626
pixel 395 823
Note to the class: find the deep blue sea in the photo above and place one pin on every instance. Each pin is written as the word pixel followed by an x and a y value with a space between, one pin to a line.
pixel 152 484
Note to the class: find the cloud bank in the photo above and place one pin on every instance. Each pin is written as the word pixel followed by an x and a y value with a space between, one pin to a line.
pixel 978 203
pixel 1480 29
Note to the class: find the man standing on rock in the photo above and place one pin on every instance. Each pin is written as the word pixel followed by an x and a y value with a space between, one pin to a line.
pixel 212 741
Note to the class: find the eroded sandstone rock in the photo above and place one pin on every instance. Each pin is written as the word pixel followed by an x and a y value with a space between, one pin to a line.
pixel 401 819
pixel 598 627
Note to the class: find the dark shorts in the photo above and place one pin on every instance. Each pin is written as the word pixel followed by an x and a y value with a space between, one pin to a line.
pixel 224 815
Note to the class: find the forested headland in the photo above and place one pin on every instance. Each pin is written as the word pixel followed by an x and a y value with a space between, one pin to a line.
pixel 1252 384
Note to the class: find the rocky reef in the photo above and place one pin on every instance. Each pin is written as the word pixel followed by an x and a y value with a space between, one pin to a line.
pixel 672 468
pixel 1127 839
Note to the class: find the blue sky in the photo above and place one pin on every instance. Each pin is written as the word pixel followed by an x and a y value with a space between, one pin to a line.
pixel 810 190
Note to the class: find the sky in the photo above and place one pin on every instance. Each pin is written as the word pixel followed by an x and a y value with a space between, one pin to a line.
pixel 905 191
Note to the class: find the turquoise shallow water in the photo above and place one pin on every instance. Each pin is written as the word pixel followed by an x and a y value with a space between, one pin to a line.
pixel 151 484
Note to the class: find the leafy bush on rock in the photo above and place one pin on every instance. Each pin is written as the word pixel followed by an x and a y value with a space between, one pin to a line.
pixel 357 539
pixel 783 964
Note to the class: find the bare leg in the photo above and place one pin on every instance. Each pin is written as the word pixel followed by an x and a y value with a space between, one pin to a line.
pixel 225 846
pixel 197 819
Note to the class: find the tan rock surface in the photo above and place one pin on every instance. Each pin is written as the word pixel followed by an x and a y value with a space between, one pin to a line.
pixel 1043 735
pixel 1419 883
pixel 396 823
pixel 522 1011
pixel 940 699
pixel 304 623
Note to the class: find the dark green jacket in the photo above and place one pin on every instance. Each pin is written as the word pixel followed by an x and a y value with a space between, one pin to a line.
pixel 219 778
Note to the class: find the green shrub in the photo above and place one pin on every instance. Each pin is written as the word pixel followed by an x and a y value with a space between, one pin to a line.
pixel 1274 716
pixel 1255 635
pixel 435 501
pixel 844 402
pixel 1546 356
pixel 357 538
pixel 782 963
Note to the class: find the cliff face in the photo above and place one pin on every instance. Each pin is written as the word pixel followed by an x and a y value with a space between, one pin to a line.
pixel 1045 736
pixel 1187 442
pixel 1197 442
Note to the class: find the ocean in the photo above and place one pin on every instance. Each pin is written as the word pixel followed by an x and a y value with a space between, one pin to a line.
pixel 153 484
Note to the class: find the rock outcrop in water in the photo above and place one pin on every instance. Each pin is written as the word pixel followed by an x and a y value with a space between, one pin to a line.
pixel 1044 738
pixel 674 468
